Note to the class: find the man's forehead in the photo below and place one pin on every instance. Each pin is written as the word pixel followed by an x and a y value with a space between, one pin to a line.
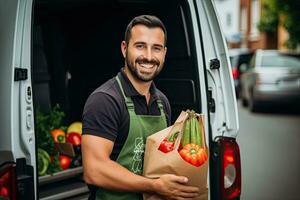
pixel 143 33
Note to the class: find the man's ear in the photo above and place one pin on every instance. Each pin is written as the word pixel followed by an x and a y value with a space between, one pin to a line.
pixel 123 48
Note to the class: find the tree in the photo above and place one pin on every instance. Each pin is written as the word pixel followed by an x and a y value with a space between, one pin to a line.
pixel 288 11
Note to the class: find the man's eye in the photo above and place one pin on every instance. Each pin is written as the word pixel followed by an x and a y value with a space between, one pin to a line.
pixel 140 46
pixel 157 49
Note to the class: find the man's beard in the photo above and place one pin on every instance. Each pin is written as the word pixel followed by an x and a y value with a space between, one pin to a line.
pixel 132 66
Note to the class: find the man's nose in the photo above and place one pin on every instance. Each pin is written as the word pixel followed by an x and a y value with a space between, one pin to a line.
pixel 148 53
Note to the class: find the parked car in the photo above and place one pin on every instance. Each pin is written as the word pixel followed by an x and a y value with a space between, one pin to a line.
pixel 271 77
pixel 238 57
pixel 58 52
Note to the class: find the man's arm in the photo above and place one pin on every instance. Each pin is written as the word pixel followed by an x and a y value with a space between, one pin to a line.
pixel 101 171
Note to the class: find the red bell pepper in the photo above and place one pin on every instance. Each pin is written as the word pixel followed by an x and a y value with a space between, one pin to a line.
pixel 167 144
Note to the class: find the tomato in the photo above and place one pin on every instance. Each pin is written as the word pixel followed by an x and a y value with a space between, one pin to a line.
pixel 74 138
pixel 58 135
pixel 193 154
pixel 64 161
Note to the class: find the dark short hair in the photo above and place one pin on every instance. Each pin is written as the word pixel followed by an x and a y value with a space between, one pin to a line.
pixel 149 21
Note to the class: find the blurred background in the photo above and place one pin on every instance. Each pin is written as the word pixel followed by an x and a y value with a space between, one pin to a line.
pixel 263 38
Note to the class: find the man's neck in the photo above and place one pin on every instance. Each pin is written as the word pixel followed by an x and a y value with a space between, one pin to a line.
pixel 143 88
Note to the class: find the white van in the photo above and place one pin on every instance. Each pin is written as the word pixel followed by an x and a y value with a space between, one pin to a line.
pixel 58 51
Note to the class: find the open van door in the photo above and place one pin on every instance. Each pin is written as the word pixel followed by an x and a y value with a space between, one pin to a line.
pixel 17 143
pixel 225 168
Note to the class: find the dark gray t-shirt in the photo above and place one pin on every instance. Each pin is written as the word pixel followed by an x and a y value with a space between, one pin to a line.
pixel 105 113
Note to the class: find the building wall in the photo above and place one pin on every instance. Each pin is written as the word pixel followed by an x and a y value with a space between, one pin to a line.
pixel 228 13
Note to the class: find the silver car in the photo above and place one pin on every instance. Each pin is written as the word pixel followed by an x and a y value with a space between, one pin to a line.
pixel 271 77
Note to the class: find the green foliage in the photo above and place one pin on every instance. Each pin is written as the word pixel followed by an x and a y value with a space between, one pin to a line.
pixel 269 20
pixel 289 10
pixel 54 166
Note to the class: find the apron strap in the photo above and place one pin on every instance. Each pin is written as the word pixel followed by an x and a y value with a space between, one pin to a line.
pixel 128 100
pixel 161 107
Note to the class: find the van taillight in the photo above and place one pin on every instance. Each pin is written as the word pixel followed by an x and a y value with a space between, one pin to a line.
pixel 235 73
pixel 231 169
pixel 8 189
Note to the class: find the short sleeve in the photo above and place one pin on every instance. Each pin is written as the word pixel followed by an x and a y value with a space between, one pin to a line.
pixel 101 116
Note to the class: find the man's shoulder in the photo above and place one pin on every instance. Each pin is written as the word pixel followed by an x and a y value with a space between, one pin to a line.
pixel 107 94
pixel 110 88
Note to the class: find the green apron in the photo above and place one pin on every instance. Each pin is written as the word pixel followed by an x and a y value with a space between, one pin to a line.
pixel 132 153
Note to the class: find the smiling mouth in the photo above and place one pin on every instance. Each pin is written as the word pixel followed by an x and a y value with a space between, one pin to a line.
pixel 147 65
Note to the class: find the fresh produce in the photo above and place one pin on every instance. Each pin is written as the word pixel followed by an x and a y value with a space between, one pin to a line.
pixel 43 161
pixel 167 144
pixel 75 127
pixel 44 124
pixel 193 154
pixel 58 135
pixel 192 149
pixel 74 138
pixel 64 161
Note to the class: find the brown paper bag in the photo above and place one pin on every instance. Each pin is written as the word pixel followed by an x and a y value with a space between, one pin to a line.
pixel 157 163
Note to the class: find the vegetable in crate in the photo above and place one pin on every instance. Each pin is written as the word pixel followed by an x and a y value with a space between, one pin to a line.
pixel 44 124
pixel 64 161
pixel 58 135
pixel 193 151
pixel 75 139
pixel 43 161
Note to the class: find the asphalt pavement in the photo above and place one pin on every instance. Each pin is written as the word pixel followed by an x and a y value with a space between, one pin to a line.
pixel 270 154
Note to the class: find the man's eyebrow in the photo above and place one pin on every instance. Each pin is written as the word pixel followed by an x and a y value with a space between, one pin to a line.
pixel 159 45
pixel 144 43
pixel 139 42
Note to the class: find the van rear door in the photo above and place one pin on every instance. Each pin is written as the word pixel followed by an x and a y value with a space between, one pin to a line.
pixel 225 168
pixel 16 116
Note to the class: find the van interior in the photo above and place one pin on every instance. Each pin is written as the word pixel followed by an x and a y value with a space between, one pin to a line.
pixel 76 48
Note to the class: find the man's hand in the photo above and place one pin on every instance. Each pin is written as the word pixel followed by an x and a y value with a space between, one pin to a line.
pixel 174 187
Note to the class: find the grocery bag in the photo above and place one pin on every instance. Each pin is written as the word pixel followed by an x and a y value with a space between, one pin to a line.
pixel 163 154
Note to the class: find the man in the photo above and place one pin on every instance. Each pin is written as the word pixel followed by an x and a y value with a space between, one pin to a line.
pixel 120 114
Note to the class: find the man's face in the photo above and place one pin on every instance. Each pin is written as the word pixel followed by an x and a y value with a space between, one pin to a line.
pixel 145 53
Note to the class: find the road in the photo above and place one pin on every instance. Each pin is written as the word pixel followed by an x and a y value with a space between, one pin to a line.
pixel 270 155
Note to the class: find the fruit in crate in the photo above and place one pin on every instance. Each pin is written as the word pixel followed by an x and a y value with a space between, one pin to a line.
pixel 75 127
pixel 64 161
pixel 43 161
pixel 58 135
